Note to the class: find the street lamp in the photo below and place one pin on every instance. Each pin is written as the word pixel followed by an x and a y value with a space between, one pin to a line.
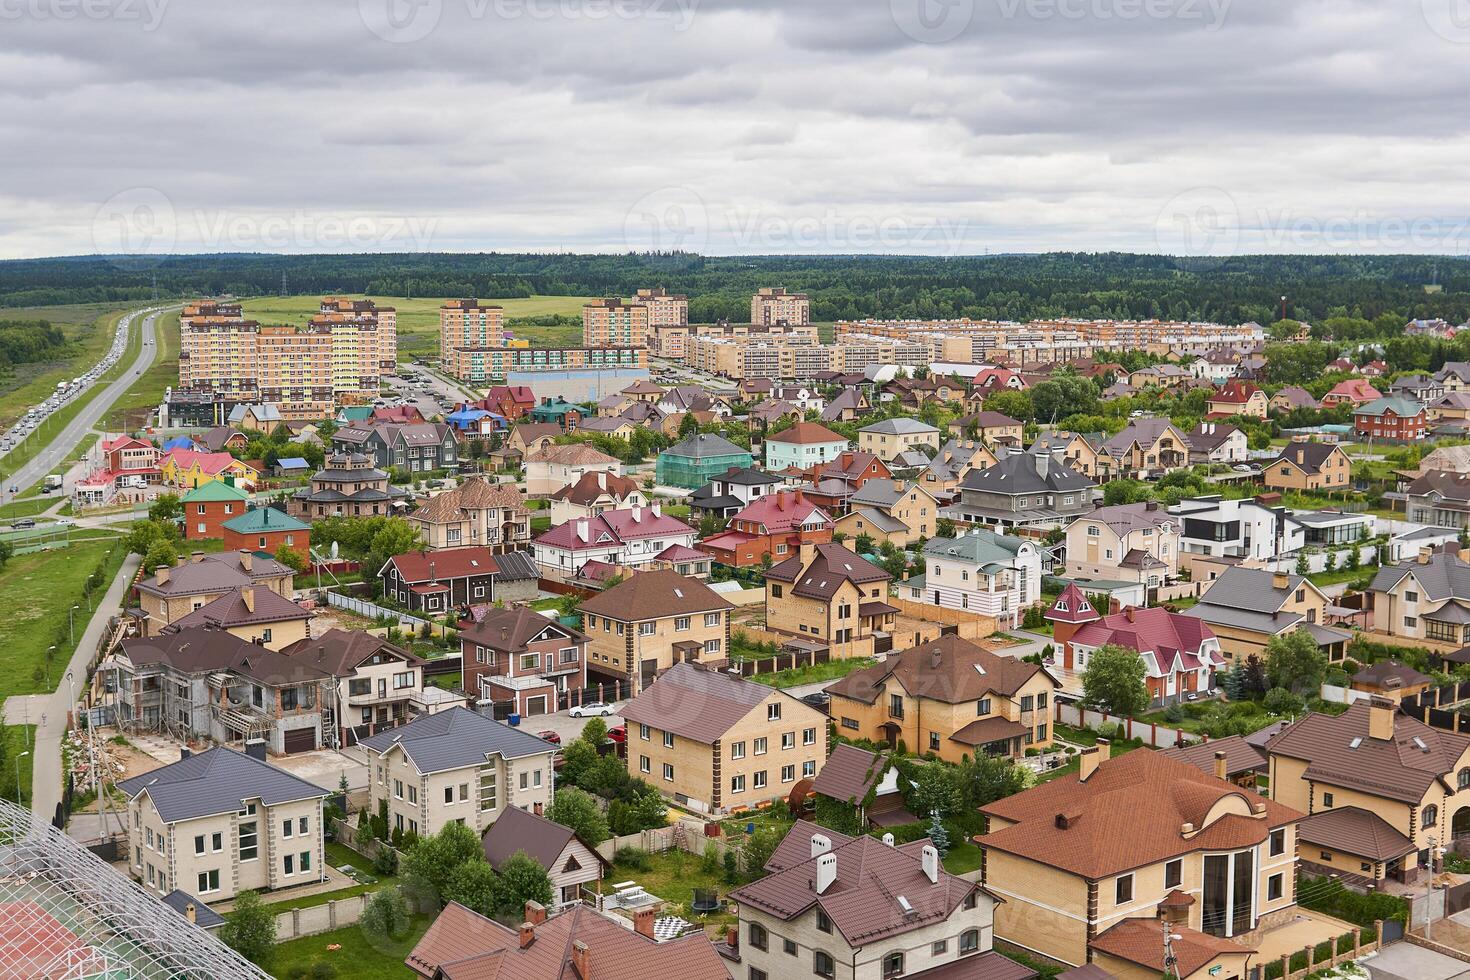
pixel 71 623
pixel 49 651
pixel 20 792
pixel 71 688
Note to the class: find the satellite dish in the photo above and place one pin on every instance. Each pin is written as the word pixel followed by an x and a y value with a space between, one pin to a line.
pixel 334 551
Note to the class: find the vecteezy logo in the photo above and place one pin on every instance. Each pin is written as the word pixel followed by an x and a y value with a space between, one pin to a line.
pixel 932 21
pixel 400 21
pixel 670 219
pixel 1450 19
pixel 1199 224
pixel 137 221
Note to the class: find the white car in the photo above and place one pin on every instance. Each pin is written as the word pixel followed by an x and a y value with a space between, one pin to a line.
pixel 591 709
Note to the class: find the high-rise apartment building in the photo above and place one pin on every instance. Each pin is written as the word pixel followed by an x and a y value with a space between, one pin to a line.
pixel 614 323
pixel 467 330
pixel 1048 341
pixel 664 309
pixel 773 305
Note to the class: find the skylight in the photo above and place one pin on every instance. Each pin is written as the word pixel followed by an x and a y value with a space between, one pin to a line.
pixel 679 593
pixel 1356 742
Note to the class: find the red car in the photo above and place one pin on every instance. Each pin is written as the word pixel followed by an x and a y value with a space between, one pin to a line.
pixel 549 736
pixel 618 733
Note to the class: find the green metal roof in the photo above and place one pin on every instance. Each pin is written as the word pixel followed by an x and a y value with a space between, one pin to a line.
pixel 215 490
pixel 259 520
pixel 356 413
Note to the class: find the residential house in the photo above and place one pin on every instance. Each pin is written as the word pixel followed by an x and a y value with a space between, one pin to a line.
pixel 981 572
pixel 1125 543
pixel 522 659
pixel 1392 419
pixel 715 743
pixel 990 428
pixel 993 379
pixel 416 447
pixel 253 613
pixel 615 427
pixel 631 538
pixel 1216 366
pixel 772 411
pixel 435 582
pixel 1375 368
pixel 862 780
pixel 644 625
pixel 1248 528
pixel 694 399
pixel 848 405
pixel 594 493
pixel 209 505
pixel 1391 679
pixel 1216 442
pixel 1239 759
pixel 695 461
pixel 891 511
pixel 1422 388
pixel 204 683
pixel 950 697
pixel 1180 654
pixel 185 469
pixel 528 437
pixel 944 473
pixel 806 398
pixel 267 530
pixel 551 469
pixel 1247 607
pixel 558 412
pixel 477 512
pixel 857 907
pixel 220 823
pixel 1025 490
pixel 1238 398
pixel 1084 454
pixel 854 469
pixel 1352 392
pixel 510 401
pixel 1427 599
pixel 173 592
pixel 1159 376
pixel 1082 868
pixel 222 439
pixel 727 493
pixel 571 863
pixel 1450 408
pixel 456 766
pixel 1309 466
pixel 827 594
pixel 347 485
pixel 803 446
pixel 891 438
pixel 1455 375
pixel 1291 398
pixel 374 683
pixel 256 418
pixel 1147 448
pixel 1381 788
pixel 1440 498
pixel 769 529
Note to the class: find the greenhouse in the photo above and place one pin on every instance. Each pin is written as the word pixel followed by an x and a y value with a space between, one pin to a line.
pixel 695 461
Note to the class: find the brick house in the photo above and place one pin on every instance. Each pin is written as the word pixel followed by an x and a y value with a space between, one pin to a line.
pixel 209 505
pixel 267 529
pixel 1309 466
pixel 524 659
pixel 1392 419
pixel 827 594
pixel 643 626
pixel 774 525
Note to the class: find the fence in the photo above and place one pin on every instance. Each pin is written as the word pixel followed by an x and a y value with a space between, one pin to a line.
pixel 335 914
pixel 1429 707
pixel 1343 695
pixel 371 610
pixel 1317 561
pixel 1156 735
pixel 1323 956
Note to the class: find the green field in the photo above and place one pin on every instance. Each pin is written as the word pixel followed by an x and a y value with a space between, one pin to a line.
pixel 18 739
pixel 89 325
pixel 418 318
pixel 358 956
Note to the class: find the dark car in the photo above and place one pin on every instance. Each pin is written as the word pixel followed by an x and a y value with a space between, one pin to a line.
pixel 820 700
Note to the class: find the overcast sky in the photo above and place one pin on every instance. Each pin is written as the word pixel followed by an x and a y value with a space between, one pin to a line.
pixel 734 126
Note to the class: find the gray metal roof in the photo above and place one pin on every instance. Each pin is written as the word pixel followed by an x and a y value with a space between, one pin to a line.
pixel 217 781
pixel 977 546
pixel 204 916
pixel 455 739
pixel 880 520
pixel 899 427
pixel 1251 589
pixel 1443 577
pixel 1022 473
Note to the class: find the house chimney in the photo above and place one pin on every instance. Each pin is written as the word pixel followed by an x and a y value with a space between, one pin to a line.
pixel 800 498
pixel 1091 757
pixel 656 510
pixel 581 961
pixel 806 552
pixel 643 921
pixel 826 872
pixel 1280 581
pixel 1380 719
pixel 929 858
pixel 190 912
pixel 184 753
pixel 528 935
pixel 637 514
pixel 247 596
pixel 1220 764
pixel 161 575
pixel 582 531
pixel 1426 554
pixel 888 839
pixel 821 844
pixel 1151 505
pixel 245 560
pixel 602 479
pixel 197 556
pixel 1128 613
pixel 1043 464
pixel 535 913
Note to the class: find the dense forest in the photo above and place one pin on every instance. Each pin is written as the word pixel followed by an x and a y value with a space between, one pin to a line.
pixel 1019 287
pixel 28 342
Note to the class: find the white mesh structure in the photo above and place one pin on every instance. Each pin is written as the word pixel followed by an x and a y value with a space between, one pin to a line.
pixel 65 914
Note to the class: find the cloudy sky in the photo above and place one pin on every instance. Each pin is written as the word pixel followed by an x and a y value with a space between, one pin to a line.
pixel 734 126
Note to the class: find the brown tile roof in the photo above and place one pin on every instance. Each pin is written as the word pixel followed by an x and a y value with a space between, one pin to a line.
pixel 519 830
pixel 803 433
pixel 1141 941
pixel 231 609
pixel 575 454
pixel 473 494
pixel 448 563
pixel 832 564
pixel 849 773
pixel 529 432
pixel 863 901
pixel 590 486
pixel 949 669
pixel 511 629
pixel 698 704
pixel 1240 755
pixel 339 651
pixel 1353 830
pixel 1128 814
pixel 983 731
pixel 1402 769
pixel 459 939
pixel 655 595
pixel 1383 672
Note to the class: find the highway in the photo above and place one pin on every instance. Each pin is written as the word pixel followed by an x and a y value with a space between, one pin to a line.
pixel 64 441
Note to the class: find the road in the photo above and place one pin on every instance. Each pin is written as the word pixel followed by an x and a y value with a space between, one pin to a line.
pixel 64 441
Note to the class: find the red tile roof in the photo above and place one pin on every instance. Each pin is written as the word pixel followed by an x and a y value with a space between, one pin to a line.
pixel 439 566
pixel 807 433
pixel 780 512
pixel 1141 941
pixel 1168 640
pixel 616 526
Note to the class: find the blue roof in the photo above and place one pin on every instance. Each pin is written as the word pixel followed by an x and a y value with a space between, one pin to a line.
pixel 178 442
pixel 293 462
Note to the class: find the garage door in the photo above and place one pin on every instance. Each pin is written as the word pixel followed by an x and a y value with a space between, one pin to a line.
pixel 536 705
pixel 300 740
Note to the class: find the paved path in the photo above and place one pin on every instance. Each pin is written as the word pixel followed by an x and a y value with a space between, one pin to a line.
pixel 48 711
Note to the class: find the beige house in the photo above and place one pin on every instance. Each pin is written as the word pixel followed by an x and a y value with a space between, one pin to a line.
pixel 550 469
pixel 1125 543
pixel 456 765
pixel 1309 466
pixel 1246 607
pixel 594 494
pixel 477 512
pixel 827 594
pixel 171 593
pixel 893 437
pixel 1426 599
pixel 1081 454
pixel 253 613
pixel 716 743
pixel 571 863
pixel 223 822
pixel 949 697
pixel 889 510
pixel 1078 858
pixel 860 908
pixel 1148 448
pixel 653 620
pixel 529 437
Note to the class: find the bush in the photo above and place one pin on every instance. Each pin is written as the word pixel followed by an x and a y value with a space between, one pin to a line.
pixel 385 862
pixel 250 929
pixel 1280 701
pixel 386 916
pixel 632 857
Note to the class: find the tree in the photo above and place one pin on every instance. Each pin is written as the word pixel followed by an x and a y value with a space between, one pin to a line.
pixel 578 759
pixel 1113 681
pixel 688 425
pixel 1125 492
pixel 432 860
pixel 291 558
pixel 1280 701
pixel 522 880
pixel 1015 404
pixel 944 528
pixel 250 929
pixel 757 850
pixel 1295 662
pixel 1303 567
pixel 145 534
pixel 386 915
pixel 168 507
pixel 160 553
pixel 936 789
pixel 938 835
pixel 7 551
pixel 473 885
pixel 578 811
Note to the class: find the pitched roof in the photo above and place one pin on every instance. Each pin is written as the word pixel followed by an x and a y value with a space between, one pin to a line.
pixel 1385 671
pixel 231 609
pixel 1447 484
pixel 1106 831
pixel 807 433
pixel 204 916
pixel 1169 641
pixel 901 426
pixel 593 485
pixel 1209 435
pixel 849 773
pixel 705 444
pixel 339 651
pixel 1355 831
pixel 1404 408
pixel 831 565
pixel 416 567
pixel 1252 589
pixel 1297 397
pixel 217 781
pixel 1137 940
pixel 1125 518
pixel 1240 755
pixel 520 830
pixel 1355 389
pixel 1144 432
pixel 612 528
pixel 216 572
pixel 991 420
pixel 695 703
pixel 529 432
pixel 512 629
pixel 655 595
pixel 214 491
pixel 780 512
pixel 1441 577
pixel 455 739
pixel 1399 769
pixel 573 454
pixel 473 494
pixel 1024 473
pixel 200 649
pixel 260 520
pixel 950 669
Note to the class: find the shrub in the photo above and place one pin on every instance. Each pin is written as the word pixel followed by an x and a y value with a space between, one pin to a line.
pixel 385 862
pixel 632 857
pixel 250 929
pixel 386 915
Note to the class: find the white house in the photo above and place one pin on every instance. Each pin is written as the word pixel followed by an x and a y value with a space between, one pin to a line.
pixel 804 398
pixel 982 572
pixel 1236 528
pixel 632 537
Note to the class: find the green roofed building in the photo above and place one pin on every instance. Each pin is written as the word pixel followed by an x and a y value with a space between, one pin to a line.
pixel 695 461
pixel 209 505
pixel 215 491
pixel 266 529
pixel 355 413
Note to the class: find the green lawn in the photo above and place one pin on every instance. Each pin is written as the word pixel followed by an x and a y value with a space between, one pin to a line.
pixel 962 857
pixel 450 682
pixel 27 506
pixel 88 325
pixel 147 391
pixel 1114 750
pixel 830 671
pixel 18 739
pixel 40 588
pixel 359 957
pixel 673 877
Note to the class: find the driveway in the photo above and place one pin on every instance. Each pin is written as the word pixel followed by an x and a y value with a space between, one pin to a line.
pixel 1401 961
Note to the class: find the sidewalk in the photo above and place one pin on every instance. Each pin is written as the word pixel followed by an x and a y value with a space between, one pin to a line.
pixel 46 779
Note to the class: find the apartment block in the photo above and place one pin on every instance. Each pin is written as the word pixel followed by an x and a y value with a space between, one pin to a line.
pixel 1049 341
pixel 776 305
pixel 664 308
pixel 466 328
pixel 672 340
pixel 614 323
pixel 753 356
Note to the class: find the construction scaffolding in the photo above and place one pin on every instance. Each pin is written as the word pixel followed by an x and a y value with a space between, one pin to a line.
pixel 66 915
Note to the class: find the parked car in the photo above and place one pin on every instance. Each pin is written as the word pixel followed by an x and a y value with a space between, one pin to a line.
pixel 23 523
pixel 618 733
pixel 549 736
pixel 591 709
pixel 820 700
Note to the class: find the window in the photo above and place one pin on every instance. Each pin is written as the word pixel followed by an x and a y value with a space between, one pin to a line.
pixel 737 784
pixel 788 947
pixel 681 624
pixel 1124 890
pixel 1278 842
pixel 969 941
pixel 668 772
pixel 413 795
pixel 1411 596
pixel 809 737
pixel 668 740
pixel 398 789
pixel 249 841
pixel 822 963
pixel 1173 874
pixel 775 591
pixel 647 629
pixel 305 861
pixel 788 740
pixel 933 741
pixel 1326 799
pixel 487 787
pixel 360 686
pixel 1431 816
pixel 711 619
pixel 757 974
pixel 198 843
pixel 644 732
pixel 288 865
pixel 760 746
pixel 217 842
pixel 893 965
pixel 449 794
pixel 809 767
pixel 286 826
pixel 851 723
pixel 982 707
pixel 939 947
pixel 758 936
pixel 788 774
pixel 1273 888
pixel 1462 781
pixel 737 750
pixel 644 764
pixel 759 780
